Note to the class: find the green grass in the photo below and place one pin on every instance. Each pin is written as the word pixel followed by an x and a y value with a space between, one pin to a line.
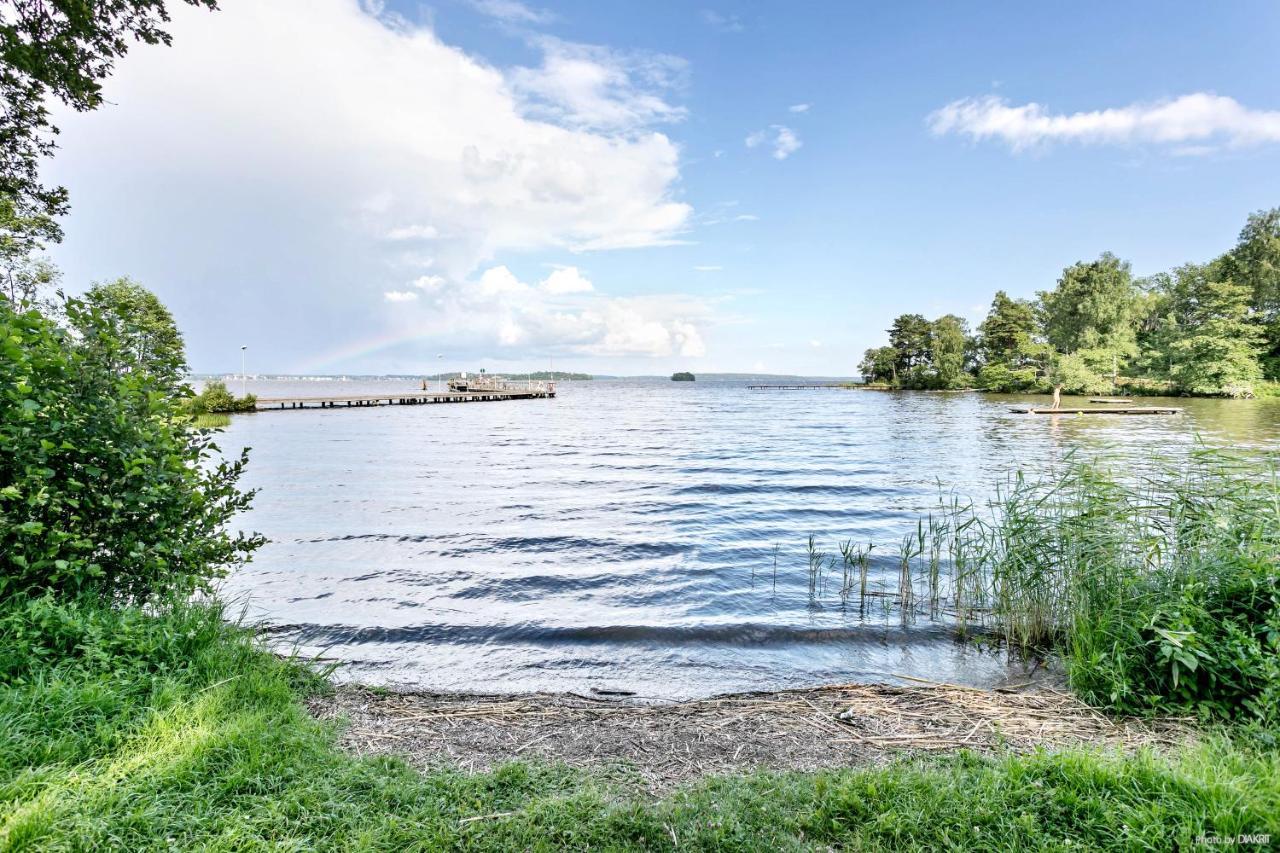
pixel 212 420
pixel 1267 388
pixel 126 731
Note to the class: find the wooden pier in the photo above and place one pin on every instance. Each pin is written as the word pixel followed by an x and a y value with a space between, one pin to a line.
pixel 1097 410
pixel 402 398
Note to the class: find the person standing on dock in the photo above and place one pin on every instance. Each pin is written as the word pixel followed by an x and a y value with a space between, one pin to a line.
pixel 1057 396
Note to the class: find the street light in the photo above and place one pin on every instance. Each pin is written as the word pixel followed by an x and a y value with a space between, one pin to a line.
pixel 244 379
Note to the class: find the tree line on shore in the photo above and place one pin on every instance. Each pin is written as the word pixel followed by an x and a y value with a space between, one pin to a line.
pixel 1209 329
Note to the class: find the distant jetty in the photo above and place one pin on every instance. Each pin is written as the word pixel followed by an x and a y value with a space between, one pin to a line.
pixel 682 377
pixel 476 389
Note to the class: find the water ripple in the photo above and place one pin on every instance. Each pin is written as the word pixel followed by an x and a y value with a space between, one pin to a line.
pixel 640 533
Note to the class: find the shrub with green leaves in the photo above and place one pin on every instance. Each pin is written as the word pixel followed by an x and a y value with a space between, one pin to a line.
pixel 1185 613
pixel 1005 380
pixel 105 488
pixel 214 398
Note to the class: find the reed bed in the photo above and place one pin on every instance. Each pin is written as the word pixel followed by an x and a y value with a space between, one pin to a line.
pixel 1129 573
pixel 211 420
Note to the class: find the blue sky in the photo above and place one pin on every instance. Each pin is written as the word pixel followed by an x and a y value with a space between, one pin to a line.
pixel 641 188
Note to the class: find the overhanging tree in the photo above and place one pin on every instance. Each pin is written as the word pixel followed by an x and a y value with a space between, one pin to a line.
pixel 57 50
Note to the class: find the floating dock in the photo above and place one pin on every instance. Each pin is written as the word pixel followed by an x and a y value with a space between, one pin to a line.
pixel 404 398
pixel 1097 410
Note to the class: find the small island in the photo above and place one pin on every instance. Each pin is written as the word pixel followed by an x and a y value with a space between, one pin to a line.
pixel 682 377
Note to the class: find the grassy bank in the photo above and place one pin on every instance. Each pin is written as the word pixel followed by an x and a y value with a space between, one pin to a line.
pixel 123 730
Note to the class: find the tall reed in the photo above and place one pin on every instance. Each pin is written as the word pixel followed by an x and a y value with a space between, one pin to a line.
pixel 817 559
pixel 1124 571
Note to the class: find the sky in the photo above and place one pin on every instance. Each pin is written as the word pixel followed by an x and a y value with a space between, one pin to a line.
pixel 638 188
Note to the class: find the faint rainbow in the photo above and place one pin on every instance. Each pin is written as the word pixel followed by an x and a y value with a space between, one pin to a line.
pixel 350 351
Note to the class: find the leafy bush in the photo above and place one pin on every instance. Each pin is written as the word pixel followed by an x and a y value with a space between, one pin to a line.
pixel 1005 380
pixel 1195 626
pixel 1078 375
pixel 214 398
pixel 104 487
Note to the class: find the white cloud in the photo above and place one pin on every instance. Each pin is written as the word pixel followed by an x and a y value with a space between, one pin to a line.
pixel 413 232
pixel 594 87
pixel 388 124
pixel 512 11
pixel 566 280
pixel 330 140
pixel 746 217
pixel 708 268
pixel 500 281
pixel 627 330
pixel 722 23
pixel 785 143
pixel 1196 118
pixel 799 108
pixel 400 296
pixel 782 138
pixel 564 312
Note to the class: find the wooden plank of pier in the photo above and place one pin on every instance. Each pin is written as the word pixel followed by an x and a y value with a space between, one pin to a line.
pixel 1097 410
pixel 406 398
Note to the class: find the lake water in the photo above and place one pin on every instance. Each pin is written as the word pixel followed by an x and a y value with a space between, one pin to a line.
pixel 624 535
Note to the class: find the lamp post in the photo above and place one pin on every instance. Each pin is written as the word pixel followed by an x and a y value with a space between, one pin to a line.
pixel 244 379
